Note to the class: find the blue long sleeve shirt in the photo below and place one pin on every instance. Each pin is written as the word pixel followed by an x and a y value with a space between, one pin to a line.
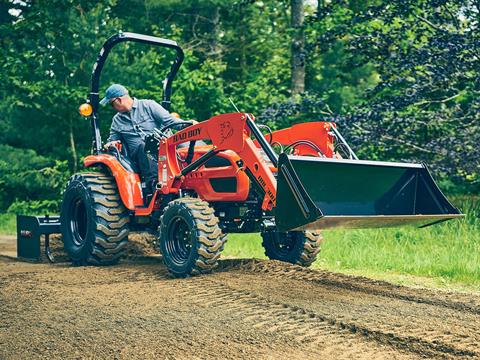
pixel 130 127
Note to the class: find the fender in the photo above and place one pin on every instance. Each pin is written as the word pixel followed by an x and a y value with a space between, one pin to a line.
pixel 128 183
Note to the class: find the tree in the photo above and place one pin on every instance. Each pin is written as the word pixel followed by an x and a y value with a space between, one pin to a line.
pixel 298 44
pixel 425 106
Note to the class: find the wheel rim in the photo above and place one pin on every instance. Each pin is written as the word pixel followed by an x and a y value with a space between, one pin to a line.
pixel 179 242
pixel 283 243
pixel 78 221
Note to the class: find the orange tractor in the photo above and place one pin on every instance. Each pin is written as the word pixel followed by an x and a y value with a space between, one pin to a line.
pixel 215 179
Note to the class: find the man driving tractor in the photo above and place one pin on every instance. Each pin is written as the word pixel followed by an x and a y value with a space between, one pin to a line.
pixel 134 120
pixel 237 183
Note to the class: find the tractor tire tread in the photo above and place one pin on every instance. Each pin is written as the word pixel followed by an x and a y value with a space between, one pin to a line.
pixel 106 216
pixel 311 248
pixel 110 219
pixel 210 237
pixel 105 202
pixel 304 253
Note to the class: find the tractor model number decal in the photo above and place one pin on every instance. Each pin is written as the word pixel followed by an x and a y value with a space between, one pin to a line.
pixel 226 131
pixel 269 193
pixel 186 135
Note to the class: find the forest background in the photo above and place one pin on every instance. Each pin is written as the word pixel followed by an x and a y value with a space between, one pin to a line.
pixel 399 77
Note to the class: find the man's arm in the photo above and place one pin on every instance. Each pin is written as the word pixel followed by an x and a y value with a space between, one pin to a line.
pixel 114 136
pixel 163 118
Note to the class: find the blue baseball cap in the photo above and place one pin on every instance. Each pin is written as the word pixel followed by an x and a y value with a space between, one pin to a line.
pixel 113 91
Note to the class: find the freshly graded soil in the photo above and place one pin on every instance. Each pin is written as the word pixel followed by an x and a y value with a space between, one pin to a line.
pixel 246 309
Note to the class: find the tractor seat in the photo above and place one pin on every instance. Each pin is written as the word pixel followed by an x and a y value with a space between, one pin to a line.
pixel 124 160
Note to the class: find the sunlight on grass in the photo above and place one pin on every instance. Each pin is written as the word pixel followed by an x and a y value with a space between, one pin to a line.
pixel 449 251
pixel 244 246
pixel 8 224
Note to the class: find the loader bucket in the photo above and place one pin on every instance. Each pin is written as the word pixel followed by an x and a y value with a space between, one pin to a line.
pixel 320 193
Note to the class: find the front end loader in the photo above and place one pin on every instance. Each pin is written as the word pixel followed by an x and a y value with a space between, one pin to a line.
pixel 223 175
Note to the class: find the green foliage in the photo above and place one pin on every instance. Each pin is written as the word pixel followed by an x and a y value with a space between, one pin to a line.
pixel 27 177
pixel 34 207
pixel 45 73
pixel 8 224
pixel 201 89
pixel 400 77
pixel 424 104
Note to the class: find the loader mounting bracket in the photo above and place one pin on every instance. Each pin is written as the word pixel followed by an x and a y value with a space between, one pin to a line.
pixel 294 205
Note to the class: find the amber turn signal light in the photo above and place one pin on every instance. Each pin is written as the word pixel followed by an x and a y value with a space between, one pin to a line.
pixel 85 109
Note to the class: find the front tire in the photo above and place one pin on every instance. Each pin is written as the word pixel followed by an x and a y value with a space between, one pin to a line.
pixel 94 221
pixel 295 247
pixel 190 237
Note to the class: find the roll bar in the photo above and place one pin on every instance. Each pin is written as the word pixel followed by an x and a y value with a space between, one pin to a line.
pixel 94 97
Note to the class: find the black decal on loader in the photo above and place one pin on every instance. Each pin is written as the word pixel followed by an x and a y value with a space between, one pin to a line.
pixel 263 184
pixel 261 181
pixel 270 195
pixel 226 130
pixel 187 135
pixel 194 132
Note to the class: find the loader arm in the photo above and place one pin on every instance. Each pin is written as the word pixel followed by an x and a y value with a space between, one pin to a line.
pixel 226 132
pixel 308 192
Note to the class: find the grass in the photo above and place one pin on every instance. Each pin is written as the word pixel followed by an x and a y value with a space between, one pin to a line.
pixel 447 253
pixel 443 255
pixel 8 224
pixel 450 251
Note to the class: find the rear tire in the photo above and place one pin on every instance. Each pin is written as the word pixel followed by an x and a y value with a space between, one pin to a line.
pixel 94 221
pixel 296 247
pixel 190 238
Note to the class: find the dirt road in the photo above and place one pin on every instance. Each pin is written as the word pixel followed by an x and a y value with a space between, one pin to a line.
pixel 246 309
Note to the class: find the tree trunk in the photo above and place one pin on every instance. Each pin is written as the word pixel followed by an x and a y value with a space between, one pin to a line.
pixel 298 44
pixel 243 43
pixel 216 49
pixel 320 5
pixel 73 148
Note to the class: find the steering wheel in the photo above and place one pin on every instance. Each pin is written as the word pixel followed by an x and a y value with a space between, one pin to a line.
pixel 152 140
pixel 169 127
